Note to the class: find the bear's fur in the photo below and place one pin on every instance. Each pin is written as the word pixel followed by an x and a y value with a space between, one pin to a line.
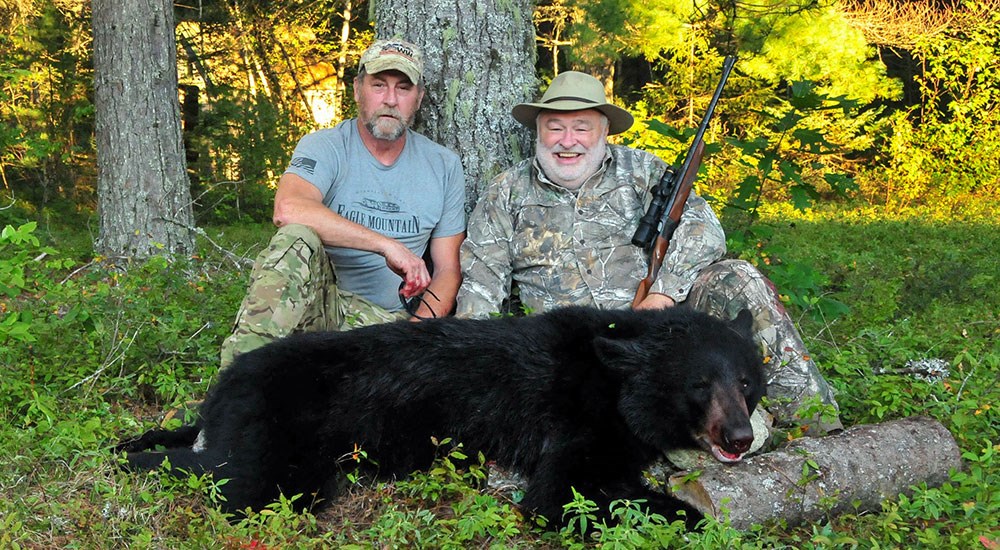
pixel 575 397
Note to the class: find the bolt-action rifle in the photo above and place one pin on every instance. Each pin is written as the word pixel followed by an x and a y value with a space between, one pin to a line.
pixel 657 226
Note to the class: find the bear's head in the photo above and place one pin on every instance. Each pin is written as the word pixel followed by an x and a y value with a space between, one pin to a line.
pixel 688 380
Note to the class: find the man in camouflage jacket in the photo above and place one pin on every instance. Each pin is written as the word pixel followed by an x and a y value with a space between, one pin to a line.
pixel 559 227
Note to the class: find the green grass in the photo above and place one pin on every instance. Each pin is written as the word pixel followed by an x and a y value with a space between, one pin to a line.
pixel 91 351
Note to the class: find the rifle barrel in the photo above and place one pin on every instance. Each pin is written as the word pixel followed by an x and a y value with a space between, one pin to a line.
pixel 689 158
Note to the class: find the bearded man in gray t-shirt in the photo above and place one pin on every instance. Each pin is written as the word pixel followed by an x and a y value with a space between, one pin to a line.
pixel 357 209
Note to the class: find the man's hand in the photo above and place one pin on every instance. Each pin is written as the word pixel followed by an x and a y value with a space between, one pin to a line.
pixel 407 265
pixel 655 300
pixel 439 297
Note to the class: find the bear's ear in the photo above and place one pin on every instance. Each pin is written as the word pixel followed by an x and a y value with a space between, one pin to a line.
pixel 622 355
pixel 743 324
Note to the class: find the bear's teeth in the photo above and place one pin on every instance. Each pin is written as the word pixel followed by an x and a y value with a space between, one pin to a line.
pixel 724 456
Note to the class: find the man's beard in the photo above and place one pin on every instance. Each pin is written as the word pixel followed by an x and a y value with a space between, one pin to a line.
pixel 388 129
pixel 570 177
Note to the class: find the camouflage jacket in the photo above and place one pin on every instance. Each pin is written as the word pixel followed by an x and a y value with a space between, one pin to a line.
pixel 573 247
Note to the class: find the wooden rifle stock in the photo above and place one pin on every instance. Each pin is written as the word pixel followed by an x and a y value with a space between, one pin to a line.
pixel 680 185
pixel 674 210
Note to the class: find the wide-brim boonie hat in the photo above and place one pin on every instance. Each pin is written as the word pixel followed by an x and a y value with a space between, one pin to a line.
pixel 393 54
pixel 574 91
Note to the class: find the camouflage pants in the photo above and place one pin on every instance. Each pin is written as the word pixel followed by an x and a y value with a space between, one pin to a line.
pixel 293 289
pixel 726 287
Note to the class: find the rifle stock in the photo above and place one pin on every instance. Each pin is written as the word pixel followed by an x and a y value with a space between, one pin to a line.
pixel 668 215
pixel 657 254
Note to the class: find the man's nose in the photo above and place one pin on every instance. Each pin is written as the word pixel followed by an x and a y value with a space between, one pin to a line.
pixel 566 138
pixel 390 97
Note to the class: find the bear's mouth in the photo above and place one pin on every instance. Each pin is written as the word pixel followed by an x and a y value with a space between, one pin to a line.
pixel 719 453
pixel 722 455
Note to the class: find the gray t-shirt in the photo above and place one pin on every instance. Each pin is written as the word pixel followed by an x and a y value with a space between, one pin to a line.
pixel 419 197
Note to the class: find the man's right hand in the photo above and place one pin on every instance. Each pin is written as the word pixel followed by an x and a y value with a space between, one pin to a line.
pixel 407 265
pixel 655 300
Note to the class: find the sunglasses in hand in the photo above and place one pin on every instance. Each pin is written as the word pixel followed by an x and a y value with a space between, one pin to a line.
pixel 413 303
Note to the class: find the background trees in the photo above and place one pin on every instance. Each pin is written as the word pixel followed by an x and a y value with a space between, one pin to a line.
pixel 46 114
pixel 946 147
pixel 916 87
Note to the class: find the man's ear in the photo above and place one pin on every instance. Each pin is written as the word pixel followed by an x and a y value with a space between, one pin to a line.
pixel 743 324
pixel 358 82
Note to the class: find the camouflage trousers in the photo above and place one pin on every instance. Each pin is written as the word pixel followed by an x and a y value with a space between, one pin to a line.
pixel 293 288
pixel 794 380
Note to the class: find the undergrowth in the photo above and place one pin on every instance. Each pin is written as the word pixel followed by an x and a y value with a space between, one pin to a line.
pixel 92 350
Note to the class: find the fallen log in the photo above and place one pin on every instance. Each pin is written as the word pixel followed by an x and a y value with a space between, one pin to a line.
pixel 813 478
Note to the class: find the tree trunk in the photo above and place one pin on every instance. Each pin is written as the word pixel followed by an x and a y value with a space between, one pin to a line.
pixel 813 478
pixel 479 61
pixel 345 34
pixel 143 191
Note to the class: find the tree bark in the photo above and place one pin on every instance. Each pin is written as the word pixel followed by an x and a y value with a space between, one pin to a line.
pixel 144 197
pixel 812 478
pixel 345 34
pixel 479 61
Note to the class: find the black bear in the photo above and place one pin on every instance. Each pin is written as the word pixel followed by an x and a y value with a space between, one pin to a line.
pixel 576 397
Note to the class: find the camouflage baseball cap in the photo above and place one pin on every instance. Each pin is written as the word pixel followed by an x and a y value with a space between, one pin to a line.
pixel 393 54
pixel 574 91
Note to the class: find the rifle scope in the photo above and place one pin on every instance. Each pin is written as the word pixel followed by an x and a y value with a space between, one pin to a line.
pixel 649 224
